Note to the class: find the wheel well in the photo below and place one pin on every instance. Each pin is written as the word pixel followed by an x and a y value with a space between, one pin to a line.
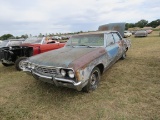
pixel 101 68
pixel 127 49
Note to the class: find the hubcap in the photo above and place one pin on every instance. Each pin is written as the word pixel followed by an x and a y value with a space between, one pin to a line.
pixel 94 80
pixel 21 64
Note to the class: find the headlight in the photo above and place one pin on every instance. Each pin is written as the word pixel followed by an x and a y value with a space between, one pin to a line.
pixel 63 72
pixel 29 65
pixel 71 74
pixel 32 66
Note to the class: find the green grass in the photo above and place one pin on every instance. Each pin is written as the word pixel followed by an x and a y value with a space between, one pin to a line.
pixel 129 90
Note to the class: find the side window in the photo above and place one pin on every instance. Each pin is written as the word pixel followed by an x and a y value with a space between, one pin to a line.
pixel 116 37
pixel 110 39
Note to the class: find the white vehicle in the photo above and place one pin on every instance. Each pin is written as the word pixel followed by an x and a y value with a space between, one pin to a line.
pixel 127 34
pixel 56 38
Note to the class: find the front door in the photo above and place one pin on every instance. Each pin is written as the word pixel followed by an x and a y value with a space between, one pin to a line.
pixel 112 47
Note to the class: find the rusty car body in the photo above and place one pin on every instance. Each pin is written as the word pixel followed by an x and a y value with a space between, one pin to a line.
pixel 31 46
pixel 9 43
pixel 81 62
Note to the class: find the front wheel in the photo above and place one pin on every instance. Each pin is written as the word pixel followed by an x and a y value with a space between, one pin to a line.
pixel 123 56
pixel 18 63
pixel 93 80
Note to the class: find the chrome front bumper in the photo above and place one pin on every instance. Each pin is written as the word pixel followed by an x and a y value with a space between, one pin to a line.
pixel 57 81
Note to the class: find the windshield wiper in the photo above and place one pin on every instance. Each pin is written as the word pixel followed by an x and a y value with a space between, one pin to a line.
pixel 86 46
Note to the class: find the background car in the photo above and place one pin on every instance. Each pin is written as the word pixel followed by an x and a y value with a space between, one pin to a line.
pixel 141 33
pixel 149 31
pixel 56 38
pixel 11 42
pixel 31 46
pixel 127 34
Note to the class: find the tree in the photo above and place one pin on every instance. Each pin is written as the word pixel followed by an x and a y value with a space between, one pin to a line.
pixel 142 23
pixel 6 36
pixel 129 25
pixel 24 36
pixel 40 35
pixel 154 23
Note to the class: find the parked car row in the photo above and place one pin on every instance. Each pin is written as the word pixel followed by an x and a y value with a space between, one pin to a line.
pixel 31 46
pixel 138 33
pixel 78 64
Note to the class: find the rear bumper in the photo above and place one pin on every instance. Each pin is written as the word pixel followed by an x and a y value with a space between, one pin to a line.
pixel 57 81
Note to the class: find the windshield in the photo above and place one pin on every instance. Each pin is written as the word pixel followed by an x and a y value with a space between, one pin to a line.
pixel 33 40
pixel 4 43
pixel 91 40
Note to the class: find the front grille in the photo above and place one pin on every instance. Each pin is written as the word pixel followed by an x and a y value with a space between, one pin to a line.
pixel 45 70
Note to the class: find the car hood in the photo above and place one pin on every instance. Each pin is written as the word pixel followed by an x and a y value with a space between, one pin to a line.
pixel 67 57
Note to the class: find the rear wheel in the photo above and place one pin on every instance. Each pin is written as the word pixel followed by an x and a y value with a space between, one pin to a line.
pixel 93 81
pixel 18 63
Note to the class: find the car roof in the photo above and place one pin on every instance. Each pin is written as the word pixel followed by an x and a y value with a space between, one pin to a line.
pixel 95 32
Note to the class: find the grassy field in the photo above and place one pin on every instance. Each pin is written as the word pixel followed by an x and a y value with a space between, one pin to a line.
pixel 130 90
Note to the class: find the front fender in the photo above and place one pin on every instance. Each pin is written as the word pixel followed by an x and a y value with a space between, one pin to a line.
pixel 83 73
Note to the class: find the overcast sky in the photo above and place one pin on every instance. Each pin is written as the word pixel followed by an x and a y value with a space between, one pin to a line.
pixel 19 17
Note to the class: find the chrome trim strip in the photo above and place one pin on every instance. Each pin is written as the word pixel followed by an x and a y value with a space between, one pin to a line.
pixel 41 75
pixel 78 86
pixel 67 80
pixel 45 66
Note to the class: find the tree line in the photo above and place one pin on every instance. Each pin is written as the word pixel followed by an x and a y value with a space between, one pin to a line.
pixel 142 23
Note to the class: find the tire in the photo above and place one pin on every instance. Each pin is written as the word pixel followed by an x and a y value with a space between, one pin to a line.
pixel 6 65
pixel 123 56
pixel 18 63
pixel 93 81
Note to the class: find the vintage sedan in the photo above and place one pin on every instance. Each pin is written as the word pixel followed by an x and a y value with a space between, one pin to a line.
pixel 81 62
pixel 141 33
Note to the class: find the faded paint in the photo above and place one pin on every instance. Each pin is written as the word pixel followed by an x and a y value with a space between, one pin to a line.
pixel 84 72
pixel 82 61
pixel 62 57
pixel 120 27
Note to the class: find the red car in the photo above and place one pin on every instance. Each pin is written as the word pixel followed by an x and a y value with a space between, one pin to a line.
pixel 31 46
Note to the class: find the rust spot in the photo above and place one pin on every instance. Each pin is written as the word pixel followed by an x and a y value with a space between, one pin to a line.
pixel 77 75
pixel 83 61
